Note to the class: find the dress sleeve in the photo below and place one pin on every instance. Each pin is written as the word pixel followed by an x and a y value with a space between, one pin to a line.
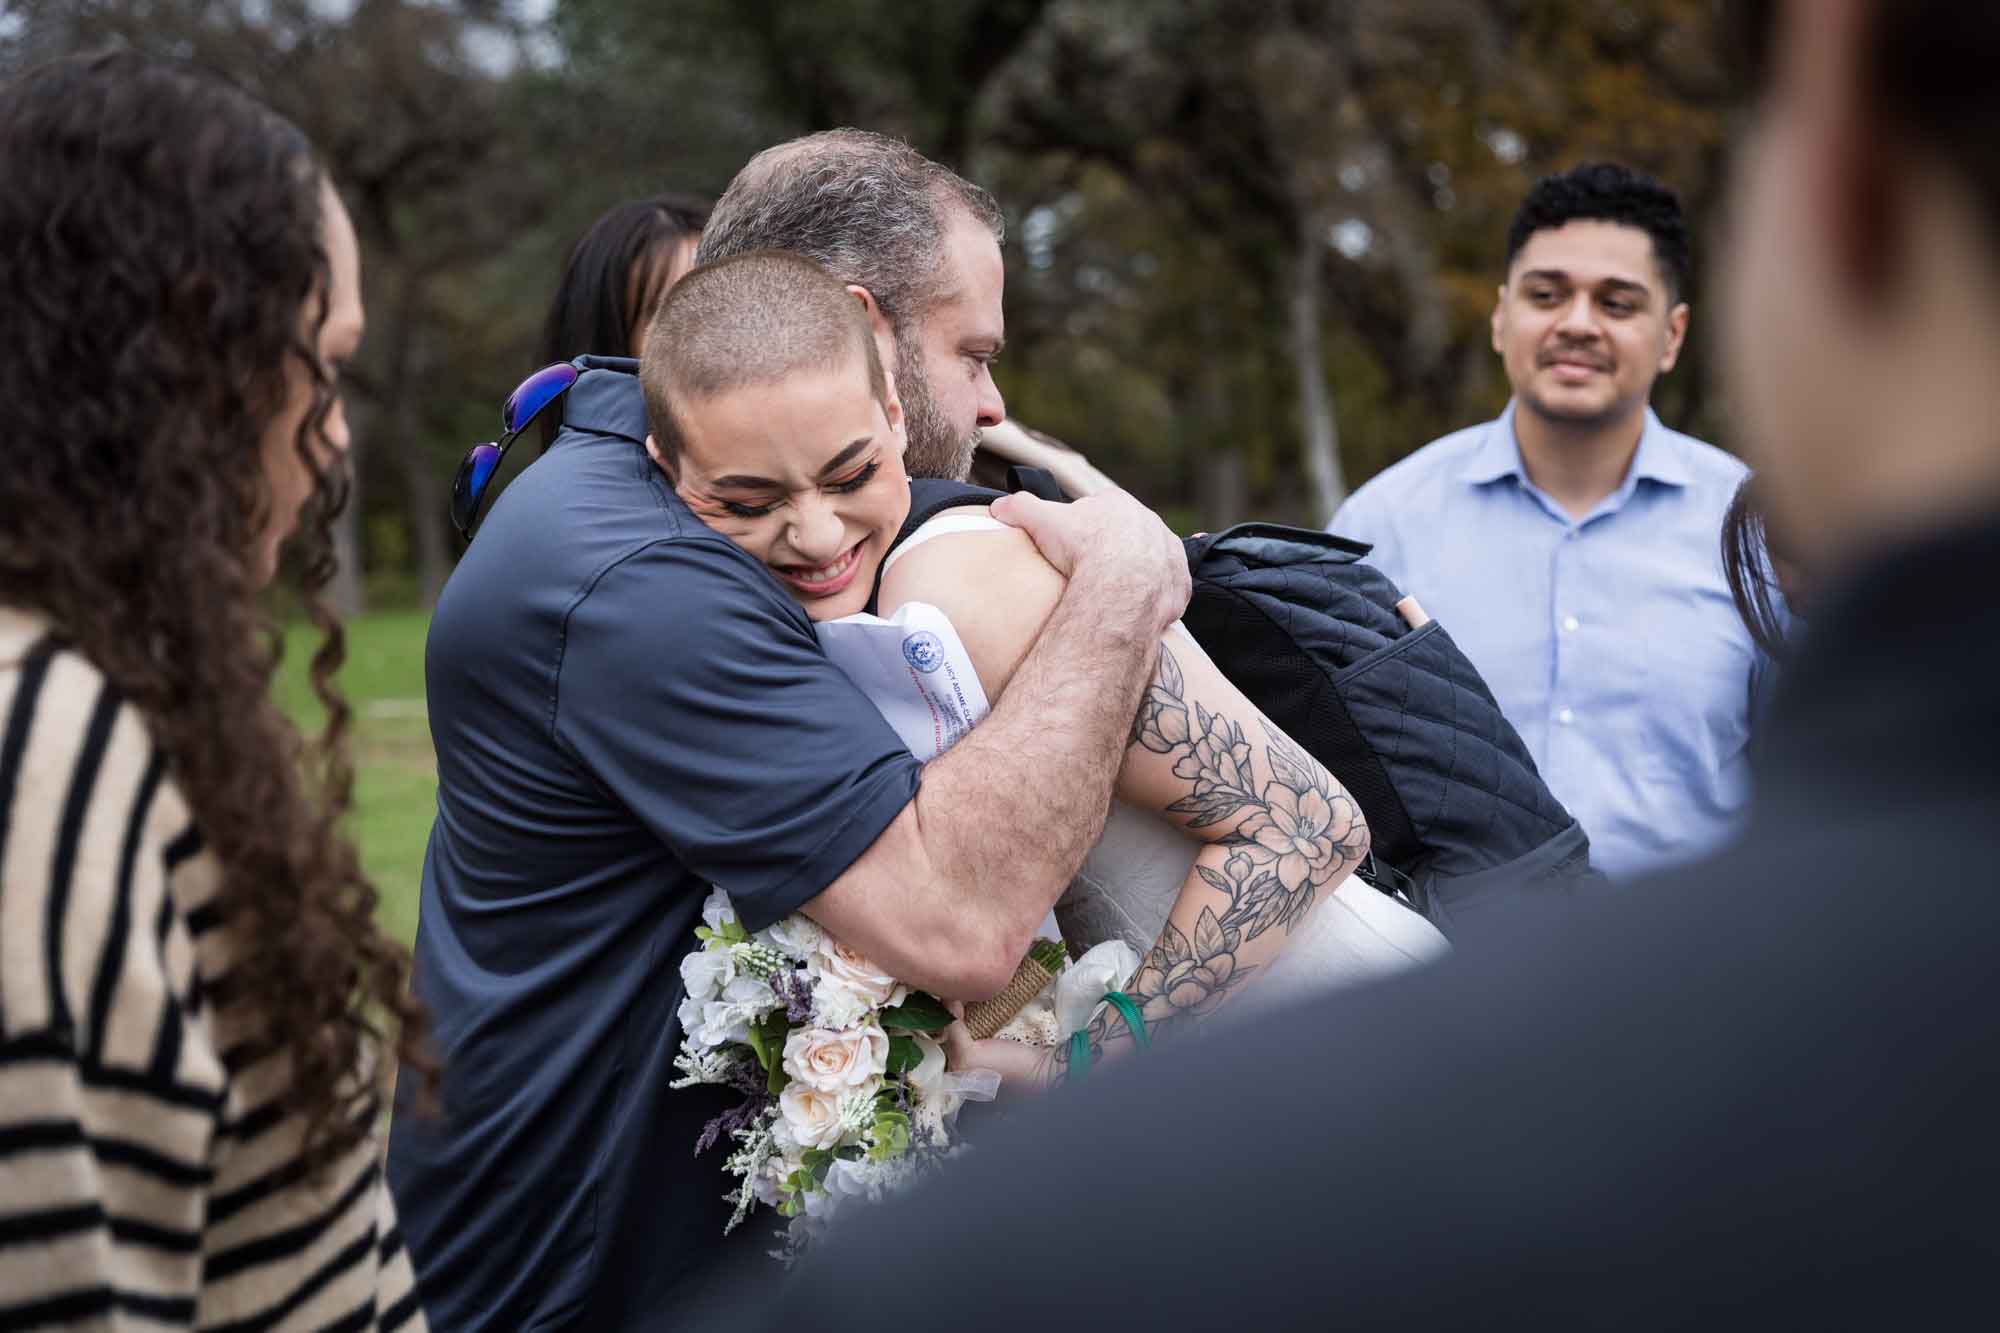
pixel 692 690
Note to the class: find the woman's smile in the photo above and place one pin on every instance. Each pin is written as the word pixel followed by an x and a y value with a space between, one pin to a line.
pixel 824 580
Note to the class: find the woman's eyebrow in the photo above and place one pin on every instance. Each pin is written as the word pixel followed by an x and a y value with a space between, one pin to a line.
pixel 846 456
pixel 738 481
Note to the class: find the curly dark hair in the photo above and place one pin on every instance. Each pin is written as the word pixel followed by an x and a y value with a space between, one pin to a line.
pixel 1608 192
pixel 163 277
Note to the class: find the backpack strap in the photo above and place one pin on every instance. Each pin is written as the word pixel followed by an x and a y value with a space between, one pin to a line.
pixel 1036 481
pixel 928 499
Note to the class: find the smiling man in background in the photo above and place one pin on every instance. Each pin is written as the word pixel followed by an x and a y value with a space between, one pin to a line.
pixel 1570 546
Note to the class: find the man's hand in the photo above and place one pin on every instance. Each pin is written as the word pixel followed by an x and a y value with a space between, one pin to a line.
pixel 1135 565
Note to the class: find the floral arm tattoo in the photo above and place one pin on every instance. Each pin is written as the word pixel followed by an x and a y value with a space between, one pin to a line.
pixel 1295 832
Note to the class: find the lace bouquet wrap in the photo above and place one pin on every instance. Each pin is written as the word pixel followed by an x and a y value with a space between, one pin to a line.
pixel 845 1090
pixel 1052 996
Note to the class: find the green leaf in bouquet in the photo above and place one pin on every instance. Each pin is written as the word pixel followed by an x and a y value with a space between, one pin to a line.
pixel 810 1178
pixel 904 1055
pixel 919 1013
pixel 767 1040
pixel 891 1133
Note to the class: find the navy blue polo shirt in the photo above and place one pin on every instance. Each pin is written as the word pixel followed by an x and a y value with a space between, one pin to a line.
pixel 626 708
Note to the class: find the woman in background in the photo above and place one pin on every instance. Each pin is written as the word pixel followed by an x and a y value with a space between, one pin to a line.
pixel 617 272
pixel 193 990
pixel 1765 582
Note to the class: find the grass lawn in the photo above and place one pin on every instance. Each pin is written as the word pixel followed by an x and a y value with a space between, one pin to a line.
pixel 395 776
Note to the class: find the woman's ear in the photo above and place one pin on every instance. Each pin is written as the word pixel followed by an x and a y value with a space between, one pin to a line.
pixel 892 410
pixel 659 459
pixel 878 323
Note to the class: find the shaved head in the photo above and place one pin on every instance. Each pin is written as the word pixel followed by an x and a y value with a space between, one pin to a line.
pixel 748 320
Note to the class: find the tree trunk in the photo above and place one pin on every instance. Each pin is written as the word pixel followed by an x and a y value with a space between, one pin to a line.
pixel 1320 435
pixel 1221 480
pixel 344 592
pixel 423 494
pixel 1225 489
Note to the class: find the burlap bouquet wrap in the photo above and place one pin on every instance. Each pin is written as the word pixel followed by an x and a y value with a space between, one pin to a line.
pixel 984 1018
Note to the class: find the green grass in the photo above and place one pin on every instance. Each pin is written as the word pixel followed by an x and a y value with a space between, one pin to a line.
pixel 395 775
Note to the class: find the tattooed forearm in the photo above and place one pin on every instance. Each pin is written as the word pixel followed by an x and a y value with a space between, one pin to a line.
pixel 1295 830
pixel 1279 828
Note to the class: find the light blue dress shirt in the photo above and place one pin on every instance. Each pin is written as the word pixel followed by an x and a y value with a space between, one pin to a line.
pixel 1611 643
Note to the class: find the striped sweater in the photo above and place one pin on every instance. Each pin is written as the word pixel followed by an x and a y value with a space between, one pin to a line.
pixel 147 1177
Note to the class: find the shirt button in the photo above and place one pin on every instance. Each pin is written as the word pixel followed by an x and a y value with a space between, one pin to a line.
pixel 1565 717
pixel 1570 624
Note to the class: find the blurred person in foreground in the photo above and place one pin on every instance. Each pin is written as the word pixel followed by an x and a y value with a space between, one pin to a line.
pixel 193 991
pixel 1758 1089
pixel 1569 545
pixel 627 709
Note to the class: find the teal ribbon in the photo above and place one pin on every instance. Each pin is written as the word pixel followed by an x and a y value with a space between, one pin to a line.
pixel 1128 1009
pixel 1079 1055
pixel 1135 1023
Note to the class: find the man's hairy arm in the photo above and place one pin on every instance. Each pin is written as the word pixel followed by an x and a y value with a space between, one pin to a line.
pixel 948 897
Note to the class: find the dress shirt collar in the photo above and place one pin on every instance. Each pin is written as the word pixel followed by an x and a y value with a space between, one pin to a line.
pixel 1658 457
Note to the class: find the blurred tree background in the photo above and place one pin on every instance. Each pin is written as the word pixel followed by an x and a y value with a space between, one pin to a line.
pixel 1252 248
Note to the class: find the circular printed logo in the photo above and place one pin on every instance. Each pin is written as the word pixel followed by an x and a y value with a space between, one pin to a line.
pixel 923 651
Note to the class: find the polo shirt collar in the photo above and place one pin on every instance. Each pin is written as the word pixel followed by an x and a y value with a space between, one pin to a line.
pixel 1658 457
pixel 606 400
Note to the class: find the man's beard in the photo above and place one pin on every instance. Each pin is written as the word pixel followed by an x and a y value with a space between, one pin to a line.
pixel 936 450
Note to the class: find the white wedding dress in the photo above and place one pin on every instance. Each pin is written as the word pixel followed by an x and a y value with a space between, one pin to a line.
pixel 913 667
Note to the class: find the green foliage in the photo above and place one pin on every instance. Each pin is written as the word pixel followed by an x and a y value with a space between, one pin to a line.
pixel 767 1041
pixel 890 1134
pixel 809 1177
pixel 1050 954
pixel 920 1012
pixel 904 1055
pixel 1159 165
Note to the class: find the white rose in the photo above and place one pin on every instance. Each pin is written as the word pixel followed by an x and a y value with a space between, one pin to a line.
pixel 706 971
pixel 841 964
pixel 838 1005
pixel 837 1062
pixel 795 937
pixel 717 909
pixel 812 1116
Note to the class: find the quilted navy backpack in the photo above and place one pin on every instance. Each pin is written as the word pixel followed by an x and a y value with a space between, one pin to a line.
pixel 1457 815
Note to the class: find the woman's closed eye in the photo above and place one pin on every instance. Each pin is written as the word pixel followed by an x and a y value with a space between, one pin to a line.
pixel 855 482
pixel 845 487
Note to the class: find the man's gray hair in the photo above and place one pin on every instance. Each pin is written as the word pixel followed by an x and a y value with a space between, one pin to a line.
pixel 868 209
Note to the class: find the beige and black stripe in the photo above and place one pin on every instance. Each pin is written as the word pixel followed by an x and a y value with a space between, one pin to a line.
pixel 147 1180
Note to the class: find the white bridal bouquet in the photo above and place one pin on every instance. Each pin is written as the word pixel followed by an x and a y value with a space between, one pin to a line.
pixel 845 1086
